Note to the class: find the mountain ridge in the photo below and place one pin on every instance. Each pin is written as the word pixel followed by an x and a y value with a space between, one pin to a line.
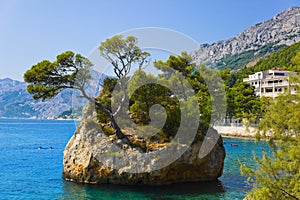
pixel 16 102
pixel 281 30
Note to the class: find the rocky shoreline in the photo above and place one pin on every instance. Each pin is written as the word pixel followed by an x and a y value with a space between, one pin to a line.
pixel 237 131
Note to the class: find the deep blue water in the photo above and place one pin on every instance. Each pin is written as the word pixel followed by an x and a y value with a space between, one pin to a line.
pixel 29 173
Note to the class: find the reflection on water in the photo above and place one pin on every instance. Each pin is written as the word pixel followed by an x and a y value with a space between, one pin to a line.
pixel 84 191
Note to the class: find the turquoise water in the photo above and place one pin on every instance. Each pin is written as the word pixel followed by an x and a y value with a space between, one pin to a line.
pixel 29 173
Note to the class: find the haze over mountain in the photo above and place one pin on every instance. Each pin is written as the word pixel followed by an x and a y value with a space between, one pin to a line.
pixel 255 42
pixel 15 102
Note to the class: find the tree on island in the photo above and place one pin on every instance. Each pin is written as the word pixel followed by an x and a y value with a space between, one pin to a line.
pixel 277 176
pixel 72 71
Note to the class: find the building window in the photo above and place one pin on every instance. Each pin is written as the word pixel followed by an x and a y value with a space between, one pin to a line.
pixel 279 74
pixel 269 90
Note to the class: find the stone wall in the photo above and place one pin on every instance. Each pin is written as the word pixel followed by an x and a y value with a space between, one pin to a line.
pixel 236 131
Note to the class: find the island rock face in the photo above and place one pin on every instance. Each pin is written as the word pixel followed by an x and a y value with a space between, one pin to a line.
pixel 89 158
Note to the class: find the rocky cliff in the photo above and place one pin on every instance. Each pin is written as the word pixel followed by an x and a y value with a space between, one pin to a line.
pixel 261 38
pixel 92 157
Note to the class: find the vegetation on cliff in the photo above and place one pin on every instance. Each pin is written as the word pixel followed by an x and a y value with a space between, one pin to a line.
pixel 148 95
pixel 236 61
pixel 287 58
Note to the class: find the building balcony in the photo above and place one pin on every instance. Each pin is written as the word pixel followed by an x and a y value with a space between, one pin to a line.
pixel 275 84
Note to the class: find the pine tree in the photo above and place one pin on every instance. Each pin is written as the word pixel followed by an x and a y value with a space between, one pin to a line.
pixel 277 176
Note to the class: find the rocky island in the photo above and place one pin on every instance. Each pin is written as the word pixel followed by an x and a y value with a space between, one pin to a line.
pixel 85 152
pixel 139 129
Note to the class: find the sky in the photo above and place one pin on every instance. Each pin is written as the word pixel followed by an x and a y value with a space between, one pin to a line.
pixel 35 30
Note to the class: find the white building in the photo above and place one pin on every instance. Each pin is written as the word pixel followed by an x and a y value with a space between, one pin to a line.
pixel 270 83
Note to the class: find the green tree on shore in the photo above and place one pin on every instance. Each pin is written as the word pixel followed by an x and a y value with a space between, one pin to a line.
pixel 242 101
pixel 278 176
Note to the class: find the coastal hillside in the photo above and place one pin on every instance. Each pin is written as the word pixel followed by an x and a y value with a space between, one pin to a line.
pixel 255 42
pixel 287 58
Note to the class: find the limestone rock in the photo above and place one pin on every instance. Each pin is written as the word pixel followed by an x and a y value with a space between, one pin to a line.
pixel 92 157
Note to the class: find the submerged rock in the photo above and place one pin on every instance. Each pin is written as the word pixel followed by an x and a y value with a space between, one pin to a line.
pixel 92 157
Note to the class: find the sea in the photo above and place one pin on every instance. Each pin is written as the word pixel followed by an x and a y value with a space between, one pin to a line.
pixel 31 154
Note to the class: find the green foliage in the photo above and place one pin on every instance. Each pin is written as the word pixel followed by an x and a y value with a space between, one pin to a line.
pixel 122 54
pixel 107 130
pixel 105 99
pixel 282 116
pixel 242 101
pixel 296 61
pixel 211 93
pixel 280 59
pixel 46 79
pixel 108 85
pixel 286 58
pixel 144 96
pixel 148 95
pixel 206 84
pixel 140 144
pixel 278 176
pixel 194 76
pixel 237 61
pixel 228 78
pixel 182 63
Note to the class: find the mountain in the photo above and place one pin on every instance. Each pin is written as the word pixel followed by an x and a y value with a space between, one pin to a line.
pixel 255 42
pixel 15 102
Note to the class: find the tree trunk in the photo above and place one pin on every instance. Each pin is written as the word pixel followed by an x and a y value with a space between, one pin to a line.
pixel 118 131
pixel 115 126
